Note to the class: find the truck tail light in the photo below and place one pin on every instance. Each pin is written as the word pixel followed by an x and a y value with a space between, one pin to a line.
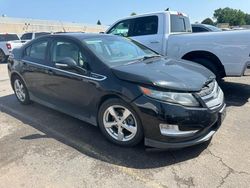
pixel 8 45
pixel 180 14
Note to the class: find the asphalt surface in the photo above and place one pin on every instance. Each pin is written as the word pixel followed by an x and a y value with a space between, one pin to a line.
pixel 40 147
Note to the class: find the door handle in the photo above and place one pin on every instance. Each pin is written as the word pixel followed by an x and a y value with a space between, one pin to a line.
pixel 50 72
pixel 154 42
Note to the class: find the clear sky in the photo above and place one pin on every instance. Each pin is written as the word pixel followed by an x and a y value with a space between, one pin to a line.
pixel 108 11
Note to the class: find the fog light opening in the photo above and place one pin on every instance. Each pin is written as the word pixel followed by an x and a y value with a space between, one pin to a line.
pixel 174 131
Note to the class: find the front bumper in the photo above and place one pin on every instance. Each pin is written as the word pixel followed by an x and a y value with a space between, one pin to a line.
pixel 154 112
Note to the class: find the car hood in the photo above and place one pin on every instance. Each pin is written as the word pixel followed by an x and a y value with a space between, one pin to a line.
pixel 179 75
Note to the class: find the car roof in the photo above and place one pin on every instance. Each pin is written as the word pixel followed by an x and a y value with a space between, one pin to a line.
pixel 199 24
pixel 80 35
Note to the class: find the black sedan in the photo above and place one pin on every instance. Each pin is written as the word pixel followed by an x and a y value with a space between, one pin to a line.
pixel 123 87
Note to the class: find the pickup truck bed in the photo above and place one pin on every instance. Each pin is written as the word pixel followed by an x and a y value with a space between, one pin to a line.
pixel 7 43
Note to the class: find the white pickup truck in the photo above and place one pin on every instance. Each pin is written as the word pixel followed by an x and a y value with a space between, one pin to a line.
pixel 169 33
pixel 7 43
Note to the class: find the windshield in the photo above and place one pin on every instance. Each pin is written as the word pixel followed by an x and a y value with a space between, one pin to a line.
pixel 180 23
pixel 8 37
pixel 115 51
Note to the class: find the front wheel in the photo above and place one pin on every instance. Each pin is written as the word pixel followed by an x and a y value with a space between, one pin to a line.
pixel 20 90
pixel 119 123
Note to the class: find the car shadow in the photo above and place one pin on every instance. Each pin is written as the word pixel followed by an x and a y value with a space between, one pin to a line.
pixel 236 94
pixel 88 140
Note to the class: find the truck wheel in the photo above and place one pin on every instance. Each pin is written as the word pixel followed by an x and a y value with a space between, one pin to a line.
pixel 2 56
pixel 209 65
pixel 119 123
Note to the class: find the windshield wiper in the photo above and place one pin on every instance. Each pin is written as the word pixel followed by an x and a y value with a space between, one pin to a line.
pixel 143 59
pixel 150 57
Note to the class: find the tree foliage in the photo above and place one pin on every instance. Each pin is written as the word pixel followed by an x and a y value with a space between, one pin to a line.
pixel 99 22
pixel 247 18
pixel 232 16
pixel 133 14
pixel 208 21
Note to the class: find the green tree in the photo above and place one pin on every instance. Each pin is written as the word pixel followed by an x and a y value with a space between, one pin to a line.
pixel 99 22
pixel 208 21
pixel 247 19
pixel 133 14
pixel 228 15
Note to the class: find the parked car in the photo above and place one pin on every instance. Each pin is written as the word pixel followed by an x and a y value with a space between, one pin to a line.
pixel 8 42
pixel 123 87
pixel 198 28
pixel 169 33
pixel 226 29
pixel 32 35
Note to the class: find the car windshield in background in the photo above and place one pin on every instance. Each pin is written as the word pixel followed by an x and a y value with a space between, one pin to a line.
pixel 213 28
pixel 180 23
pixel 115 51
pixel 41 34
pixel 8 37
pixel 26 36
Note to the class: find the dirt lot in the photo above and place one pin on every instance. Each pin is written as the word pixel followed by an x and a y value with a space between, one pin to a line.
pixel 40 147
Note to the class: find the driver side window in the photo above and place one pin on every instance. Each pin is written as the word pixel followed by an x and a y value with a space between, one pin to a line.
pixel 122 28
pixel 67 49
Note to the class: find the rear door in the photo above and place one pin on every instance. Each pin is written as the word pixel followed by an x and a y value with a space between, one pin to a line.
pixel 35 69
pixel 147 31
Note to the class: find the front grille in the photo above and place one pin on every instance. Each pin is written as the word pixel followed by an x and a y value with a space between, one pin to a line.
pixel 212 95
pixel 207 89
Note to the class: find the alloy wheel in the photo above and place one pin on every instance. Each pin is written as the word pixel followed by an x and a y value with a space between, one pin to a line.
pixel 120 123
pixel 19 90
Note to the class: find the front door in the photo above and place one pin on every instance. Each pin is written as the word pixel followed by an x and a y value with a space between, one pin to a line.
pixel 71 90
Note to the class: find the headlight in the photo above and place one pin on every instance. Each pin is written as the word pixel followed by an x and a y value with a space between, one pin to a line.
pixel 185 99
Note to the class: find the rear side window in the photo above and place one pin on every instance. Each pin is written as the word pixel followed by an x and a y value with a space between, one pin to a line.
pixel 8 37
pixel 145 26
pixel 180 23
pixel 37 50
pixel 26 36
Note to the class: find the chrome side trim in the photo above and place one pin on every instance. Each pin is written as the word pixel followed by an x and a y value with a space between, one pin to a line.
pixel 95 75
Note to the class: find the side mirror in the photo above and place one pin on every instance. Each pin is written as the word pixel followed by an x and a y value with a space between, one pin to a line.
pixel 65 63
pixel 68 63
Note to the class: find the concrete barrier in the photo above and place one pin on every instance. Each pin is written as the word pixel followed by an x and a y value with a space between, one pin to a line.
pixel 20 25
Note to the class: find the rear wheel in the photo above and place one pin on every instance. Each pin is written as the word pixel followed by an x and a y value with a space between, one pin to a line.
pixel 20 90
pixel 2 56
pixel 119 123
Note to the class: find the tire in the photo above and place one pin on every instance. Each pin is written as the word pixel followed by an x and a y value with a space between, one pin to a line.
pixel 21 90
pixel 209 65
pixel 3 57
pixel 119 123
